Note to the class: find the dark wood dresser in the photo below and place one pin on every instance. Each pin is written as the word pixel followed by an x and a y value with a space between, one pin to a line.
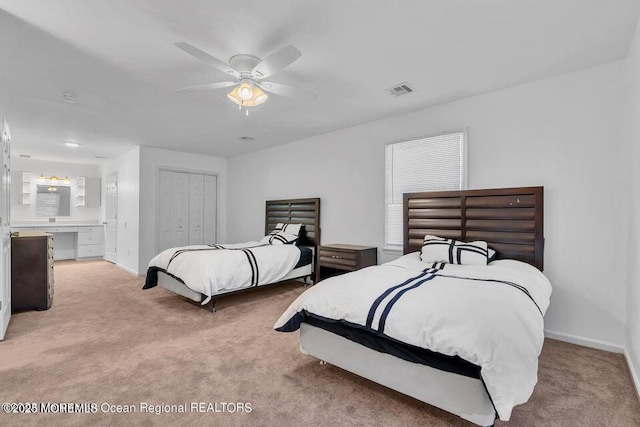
pixel 341 258
pixel 31 271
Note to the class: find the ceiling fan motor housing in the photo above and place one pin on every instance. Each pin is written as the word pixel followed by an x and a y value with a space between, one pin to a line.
pixel 244 64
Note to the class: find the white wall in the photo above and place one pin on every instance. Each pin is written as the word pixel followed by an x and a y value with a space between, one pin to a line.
pixel 633 290
pixel 564 133
pixel 127 166
pixel 27 213
pixel 151 160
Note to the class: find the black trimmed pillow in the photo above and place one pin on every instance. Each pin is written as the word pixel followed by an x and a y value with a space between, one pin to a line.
pixel 439 249
pixel 288 228
pixel 280 238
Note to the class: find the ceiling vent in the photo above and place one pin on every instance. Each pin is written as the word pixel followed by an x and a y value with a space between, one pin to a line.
pixel 100 157
pixel 25 156
pixel 400 89
pixel 246 138
pixel 69 97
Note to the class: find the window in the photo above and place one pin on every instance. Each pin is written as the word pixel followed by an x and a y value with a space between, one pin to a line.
pixel 428 164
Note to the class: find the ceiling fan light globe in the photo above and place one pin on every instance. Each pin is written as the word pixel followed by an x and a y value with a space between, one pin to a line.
pixel 233 96
pixel 260 99
pixel 245 92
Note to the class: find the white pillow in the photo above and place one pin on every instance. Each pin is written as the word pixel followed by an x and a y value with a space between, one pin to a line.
pixel 279 238
pixel 288 228
pixel 438 249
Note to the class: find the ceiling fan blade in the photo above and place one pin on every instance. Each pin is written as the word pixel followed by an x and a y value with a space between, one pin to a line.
pixel 208 86
pixel 205 57
pixel 288 91
pixel 276 61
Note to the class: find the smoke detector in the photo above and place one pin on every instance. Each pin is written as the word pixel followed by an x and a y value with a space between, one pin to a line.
pixel 400 89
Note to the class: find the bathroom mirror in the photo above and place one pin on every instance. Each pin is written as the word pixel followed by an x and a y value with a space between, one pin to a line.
pixel 53 200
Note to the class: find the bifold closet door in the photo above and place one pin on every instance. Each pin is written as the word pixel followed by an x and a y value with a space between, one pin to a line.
pixel 210 203
pixel 173 217
pixel 196 209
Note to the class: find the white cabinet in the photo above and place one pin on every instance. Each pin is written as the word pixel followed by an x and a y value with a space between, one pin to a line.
pixel 88 192
pixel 186 209
pixel 5 230
pixel 90 242
pixel 25 186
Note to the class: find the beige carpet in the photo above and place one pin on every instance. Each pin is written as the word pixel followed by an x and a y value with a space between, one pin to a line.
pixel 106 340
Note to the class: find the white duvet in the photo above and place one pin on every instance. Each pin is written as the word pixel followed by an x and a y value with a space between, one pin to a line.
pixel 489 323
pixel 210 270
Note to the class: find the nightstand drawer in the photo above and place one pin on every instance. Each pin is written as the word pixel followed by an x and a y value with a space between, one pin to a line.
pixel 337 262
pixel 343 258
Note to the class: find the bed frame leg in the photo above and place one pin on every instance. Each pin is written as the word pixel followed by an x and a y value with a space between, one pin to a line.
pixel 213 307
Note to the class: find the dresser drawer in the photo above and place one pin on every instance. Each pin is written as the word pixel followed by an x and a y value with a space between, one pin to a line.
pixel 93 237
pixel 88 251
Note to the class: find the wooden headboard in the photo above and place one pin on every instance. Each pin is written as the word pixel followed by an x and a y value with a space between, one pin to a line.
pixel 510 220
pixel 296 211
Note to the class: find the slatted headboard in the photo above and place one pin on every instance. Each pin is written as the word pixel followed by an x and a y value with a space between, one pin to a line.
pixel 510 220
pixel 297 211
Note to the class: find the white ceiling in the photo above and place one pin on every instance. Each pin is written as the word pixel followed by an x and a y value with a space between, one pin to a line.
pixel 118 57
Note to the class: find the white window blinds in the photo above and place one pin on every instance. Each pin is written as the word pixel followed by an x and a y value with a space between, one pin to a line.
pixel 428 164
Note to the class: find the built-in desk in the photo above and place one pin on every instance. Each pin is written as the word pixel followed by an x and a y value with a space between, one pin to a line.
pixel 72 241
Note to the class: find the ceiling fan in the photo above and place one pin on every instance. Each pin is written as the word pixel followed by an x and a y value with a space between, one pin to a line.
pixel 249 73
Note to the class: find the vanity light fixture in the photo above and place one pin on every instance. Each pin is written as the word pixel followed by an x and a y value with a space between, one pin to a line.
pixel 71 144
pixel 54 179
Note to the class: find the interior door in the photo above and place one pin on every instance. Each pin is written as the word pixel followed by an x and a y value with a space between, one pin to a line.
pixel 111 232
pixel 196 209
pixel 210 209
pixel 5 231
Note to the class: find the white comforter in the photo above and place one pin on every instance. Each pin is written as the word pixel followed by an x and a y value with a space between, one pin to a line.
pixel 210 270
pixel 491 324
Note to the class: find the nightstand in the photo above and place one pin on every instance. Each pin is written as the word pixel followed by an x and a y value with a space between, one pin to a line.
pixel 339 258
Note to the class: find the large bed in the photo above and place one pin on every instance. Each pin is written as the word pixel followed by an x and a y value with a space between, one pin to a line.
pixel 202 273
pixel 467 341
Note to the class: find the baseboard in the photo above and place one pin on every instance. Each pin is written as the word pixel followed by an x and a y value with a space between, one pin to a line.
pixel 586 342
pixel 127 269
pixel 634 372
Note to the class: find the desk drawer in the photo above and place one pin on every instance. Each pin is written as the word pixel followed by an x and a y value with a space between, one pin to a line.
pixel 58 229
pixel 90 237
pixel 93 229
pixel 88 251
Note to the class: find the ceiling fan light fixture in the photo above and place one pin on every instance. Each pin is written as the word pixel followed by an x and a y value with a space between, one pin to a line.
pixel 247 96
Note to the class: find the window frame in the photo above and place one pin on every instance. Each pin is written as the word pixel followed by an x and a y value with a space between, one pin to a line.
pixel 464 181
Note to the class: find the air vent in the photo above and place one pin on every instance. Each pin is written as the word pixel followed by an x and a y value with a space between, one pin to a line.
pixel 100 157
pixel 25 156
pixel 246 138
pixel 400 89
pixel 70 97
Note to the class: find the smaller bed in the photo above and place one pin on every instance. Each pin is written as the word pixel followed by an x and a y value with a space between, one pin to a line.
pixel 202 273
